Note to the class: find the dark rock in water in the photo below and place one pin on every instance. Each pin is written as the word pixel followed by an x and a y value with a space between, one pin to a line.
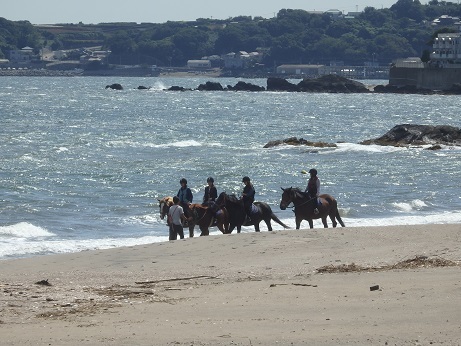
pixel 300 141
pixel 280 84
pixel 142 87
pixel 434 147
pixel 177 88
pixel 210 86
pixel 243 86
pixel 324 84
pixel 408 134
pixel 332 84
pixel 405 89
pixel 114 86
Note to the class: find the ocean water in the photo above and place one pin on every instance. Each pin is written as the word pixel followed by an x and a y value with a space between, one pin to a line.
pixel 82 167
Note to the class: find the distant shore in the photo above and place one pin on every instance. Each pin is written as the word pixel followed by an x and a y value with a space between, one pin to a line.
pixel 393 285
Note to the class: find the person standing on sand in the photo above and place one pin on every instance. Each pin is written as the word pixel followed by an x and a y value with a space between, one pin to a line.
pixel 175 218
pixel 313 188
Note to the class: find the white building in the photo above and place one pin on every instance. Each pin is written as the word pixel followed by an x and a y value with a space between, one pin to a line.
pixel 447 48
pixel 24 55
pixel 198 63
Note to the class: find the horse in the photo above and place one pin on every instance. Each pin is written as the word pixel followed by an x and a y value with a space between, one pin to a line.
pixel 205 217
pixel 305 205
pixel 237 213
pixel 200 215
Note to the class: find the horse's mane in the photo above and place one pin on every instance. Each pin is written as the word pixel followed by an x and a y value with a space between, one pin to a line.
pixel 167 200
pixel 231 198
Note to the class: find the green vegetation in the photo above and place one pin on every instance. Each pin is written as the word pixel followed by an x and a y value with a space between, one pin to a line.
pixel 293 36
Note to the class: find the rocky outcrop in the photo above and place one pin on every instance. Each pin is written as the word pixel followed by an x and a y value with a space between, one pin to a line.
pixel 210 86
pixel 408 134
pixel 280 84
pixel 177 88
pixel 243 86
pixel 114 86
pixel 324 84
pixel 297 142
pixel 332 84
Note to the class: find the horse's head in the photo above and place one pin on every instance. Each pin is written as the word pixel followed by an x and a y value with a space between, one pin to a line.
pixel 165 204
pixel 221 200
pixel 288 196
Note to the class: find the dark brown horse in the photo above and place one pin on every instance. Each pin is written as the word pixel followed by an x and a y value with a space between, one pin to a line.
pixel 202 216
pixel 304 207
pixel 237 214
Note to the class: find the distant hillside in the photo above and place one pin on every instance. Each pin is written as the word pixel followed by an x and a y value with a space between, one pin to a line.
pixel 293 36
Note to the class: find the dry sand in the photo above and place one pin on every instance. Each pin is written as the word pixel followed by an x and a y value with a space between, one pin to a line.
pixel 308 287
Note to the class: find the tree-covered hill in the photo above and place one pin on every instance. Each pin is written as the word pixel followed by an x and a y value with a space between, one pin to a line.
pixel 292 36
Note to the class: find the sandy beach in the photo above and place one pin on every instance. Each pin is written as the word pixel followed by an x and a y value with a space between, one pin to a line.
pixel 397 285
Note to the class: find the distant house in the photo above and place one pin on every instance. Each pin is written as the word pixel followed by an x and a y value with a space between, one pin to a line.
pixel 445 21
pixel 240 59
pixel 447 48
pixel 24 55
pixel 198 63
pixel 309 70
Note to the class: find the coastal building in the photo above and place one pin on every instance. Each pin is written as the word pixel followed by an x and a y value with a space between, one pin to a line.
pixel 442 72
pixel 447 48
pixel 302 70
pixel 24 55
pixel 198 64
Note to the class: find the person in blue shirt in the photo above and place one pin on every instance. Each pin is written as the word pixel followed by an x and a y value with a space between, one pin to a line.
pixel 185 196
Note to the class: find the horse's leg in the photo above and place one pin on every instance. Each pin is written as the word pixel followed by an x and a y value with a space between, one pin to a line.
pixel 298 220
pixel 333 219
pixel 256 224
pixel 205 231
pixel 239 228
pixel 324 221
pixel 191 230
pixel 268 223
pixel 311 223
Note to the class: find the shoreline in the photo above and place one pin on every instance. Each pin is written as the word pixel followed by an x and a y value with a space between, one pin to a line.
pixel 240 289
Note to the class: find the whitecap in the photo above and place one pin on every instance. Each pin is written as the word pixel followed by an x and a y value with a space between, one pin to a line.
pixel 24 230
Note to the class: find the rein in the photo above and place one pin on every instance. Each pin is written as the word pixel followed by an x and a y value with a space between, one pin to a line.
pixel 303 203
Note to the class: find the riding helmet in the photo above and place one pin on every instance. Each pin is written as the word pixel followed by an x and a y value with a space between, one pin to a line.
pixel 313 171
pixel 245 179
pixel 183 180
pixel 210 180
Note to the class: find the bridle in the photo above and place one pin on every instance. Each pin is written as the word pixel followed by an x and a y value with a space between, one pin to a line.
pixel 292 198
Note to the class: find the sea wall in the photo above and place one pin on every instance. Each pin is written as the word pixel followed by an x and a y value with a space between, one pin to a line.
pixel 432 78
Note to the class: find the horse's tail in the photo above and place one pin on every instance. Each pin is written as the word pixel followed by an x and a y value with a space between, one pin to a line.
pixel 276 219
pixel 338 217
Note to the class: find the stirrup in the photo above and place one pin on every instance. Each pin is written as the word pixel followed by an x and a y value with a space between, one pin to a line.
pixel 316 211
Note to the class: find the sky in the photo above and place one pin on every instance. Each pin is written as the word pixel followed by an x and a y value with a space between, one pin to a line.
pixel 160 11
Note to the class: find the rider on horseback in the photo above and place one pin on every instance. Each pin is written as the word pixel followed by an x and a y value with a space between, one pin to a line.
pixel 211 193
pixel 313 188
pixel 185 196
pixel 248 196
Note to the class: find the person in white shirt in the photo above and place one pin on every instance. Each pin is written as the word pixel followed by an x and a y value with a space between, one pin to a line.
pixel 175 218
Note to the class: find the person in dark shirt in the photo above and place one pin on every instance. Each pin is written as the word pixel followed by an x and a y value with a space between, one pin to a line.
pixel 211 193
pixel 313 188
pixel 185 196
pixel 248 195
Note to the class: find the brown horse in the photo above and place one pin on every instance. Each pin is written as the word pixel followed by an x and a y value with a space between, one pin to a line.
pixel 201 216
pixel 205 217
pixel 304 207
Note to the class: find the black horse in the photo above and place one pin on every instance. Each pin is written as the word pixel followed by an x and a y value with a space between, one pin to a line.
pixel 237 214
